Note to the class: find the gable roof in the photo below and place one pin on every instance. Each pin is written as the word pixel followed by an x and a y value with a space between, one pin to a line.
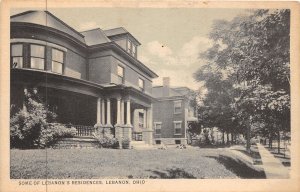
pixel 45 18
pixel 94 37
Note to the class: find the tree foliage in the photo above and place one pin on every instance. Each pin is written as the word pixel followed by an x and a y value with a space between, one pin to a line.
pixel 247 72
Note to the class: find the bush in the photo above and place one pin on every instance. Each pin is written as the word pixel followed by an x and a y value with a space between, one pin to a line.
pixel 31 127
pixel 125 143
pixel 106 140
pixel 54 132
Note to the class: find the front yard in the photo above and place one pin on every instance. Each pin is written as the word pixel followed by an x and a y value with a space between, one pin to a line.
pixel 110 163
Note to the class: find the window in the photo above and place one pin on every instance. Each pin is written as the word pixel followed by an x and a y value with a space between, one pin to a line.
pixel 134 50
pixel 141 120
pixel 177 107
pixel 177 127
pixel 177 142
pixel 120 74
pixel 57 61
pixel 129 46
pixel 141 84
pixel 17 55
pixel 37 57
pixel 158 142
pixel 157 126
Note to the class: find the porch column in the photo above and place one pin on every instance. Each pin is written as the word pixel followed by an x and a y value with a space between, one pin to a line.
pixel 122 112
pixel 102 112
pixel 148 132
pixel 99 111
pixel 108 122
pixel 128 113
pixel 118 111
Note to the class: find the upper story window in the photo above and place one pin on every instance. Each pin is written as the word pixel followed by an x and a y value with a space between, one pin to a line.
pixel 57 61
pixel 131 48
pixel 141 84
pixel 120 72
pixel 157 126
pixel 177 107
pixel 17 55
pixel 37 57
pixel 177 127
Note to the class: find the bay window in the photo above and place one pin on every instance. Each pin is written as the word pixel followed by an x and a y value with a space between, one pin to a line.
pixel 37 57
pixel 17 55
pixel 57 61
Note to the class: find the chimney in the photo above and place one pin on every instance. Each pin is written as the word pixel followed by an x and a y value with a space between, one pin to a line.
pixel 166 86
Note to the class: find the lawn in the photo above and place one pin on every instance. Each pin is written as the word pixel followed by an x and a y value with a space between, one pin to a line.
pixel 113 163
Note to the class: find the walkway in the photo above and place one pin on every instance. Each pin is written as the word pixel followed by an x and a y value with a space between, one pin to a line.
pixel 272 166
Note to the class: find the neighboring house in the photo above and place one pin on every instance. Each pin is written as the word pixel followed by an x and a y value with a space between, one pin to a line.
pixel 172 113
pixel 88 78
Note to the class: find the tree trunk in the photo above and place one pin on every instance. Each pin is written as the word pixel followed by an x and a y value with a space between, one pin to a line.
pixel 278 140
pixel 227 135
pixel 248 139
pixel 223 137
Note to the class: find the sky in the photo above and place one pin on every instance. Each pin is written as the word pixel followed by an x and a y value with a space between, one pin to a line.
pixel 172 39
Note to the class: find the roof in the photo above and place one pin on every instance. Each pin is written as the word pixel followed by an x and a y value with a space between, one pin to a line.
pixel 94 37
pixel 45 18
pixel 119 31
pixel 158 91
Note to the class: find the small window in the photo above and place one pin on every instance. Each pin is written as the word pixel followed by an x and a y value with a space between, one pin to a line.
pixel 17 55
pixel 37 57
pixel 141 120
pixel 177 127
pixel 158 142
pixel 157 126
pixel 129 46
pixel 57 61
pixel 177 107
pixel 177 142
pixel 134 50
pixel 141 84
pixel 120 74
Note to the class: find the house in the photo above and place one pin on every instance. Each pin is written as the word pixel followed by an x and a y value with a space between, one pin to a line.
pixel 91 79
pixel 172 113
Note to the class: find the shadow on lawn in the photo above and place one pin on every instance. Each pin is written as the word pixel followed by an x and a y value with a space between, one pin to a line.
pixel 240 168
pixel 171 174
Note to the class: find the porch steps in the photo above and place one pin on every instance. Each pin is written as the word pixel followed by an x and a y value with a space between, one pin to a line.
pixel 76 142
pixel 140 145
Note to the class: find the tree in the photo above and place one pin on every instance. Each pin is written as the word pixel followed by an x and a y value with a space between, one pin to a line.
pixel 249 62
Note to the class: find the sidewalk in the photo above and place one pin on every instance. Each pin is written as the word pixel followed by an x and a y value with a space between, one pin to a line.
pixel 272 166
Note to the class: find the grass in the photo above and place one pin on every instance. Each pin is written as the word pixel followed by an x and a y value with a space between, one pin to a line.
pixel 110 163
pixel 285 159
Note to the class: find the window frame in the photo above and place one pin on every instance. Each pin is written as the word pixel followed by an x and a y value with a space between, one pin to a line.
pixel 17 56
pixel 180 110
pixel 30 56
pixel 123 73
pixel 141 124
pixel 177 122
pixel 155 127
pixel 62 63
pixel 143 82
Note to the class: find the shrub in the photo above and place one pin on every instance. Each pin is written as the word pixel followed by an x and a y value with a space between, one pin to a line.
pixel 125 143
pixel 106 140
pixel 31 127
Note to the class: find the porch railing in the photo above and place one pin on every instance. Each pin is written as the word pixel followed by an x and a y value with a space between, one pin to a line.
pixel 137 136
pixel 83 130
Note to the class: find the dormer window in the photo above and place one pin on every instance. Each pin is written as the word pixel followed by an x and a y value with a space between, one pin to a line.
pixel 131 48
